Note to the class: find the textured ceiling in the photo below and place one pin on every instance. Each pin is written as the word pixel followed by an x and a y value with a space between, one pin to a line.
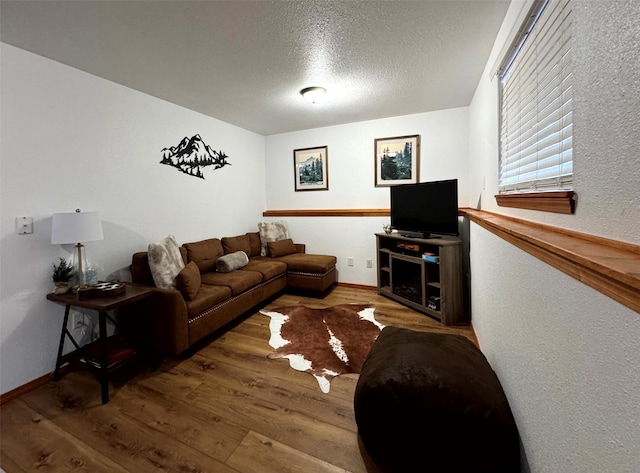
pixel 245 62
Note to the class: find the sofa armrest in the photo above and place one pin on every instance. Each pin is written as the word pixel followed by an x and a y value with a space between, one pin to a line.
pixel 301 247
pixel 160 323
pixel 172 324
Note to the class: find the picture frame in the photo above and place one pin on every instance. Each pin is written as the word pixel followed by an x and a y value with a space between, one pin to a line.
pixel 311 168
pixel 397 160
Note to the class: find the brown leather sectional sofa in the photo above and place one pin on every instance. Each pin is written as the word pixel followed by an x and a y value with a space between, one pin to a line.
pixel 206 300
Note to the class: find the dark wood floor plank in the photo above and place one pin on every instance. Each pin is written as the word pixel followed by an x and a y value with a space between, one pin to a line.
pixel 258 453
pixel 227 408
pixel 8 465
pixel 185 423
pixel 284 390
pixel 78 389
pixel 279 422
pixel 133 445
pixel 37 444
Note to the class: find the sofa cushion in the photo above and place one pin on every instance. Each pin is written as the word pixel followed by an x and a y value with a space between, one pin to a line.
pixel 238 281
pixel 268 269
pixel 204 253
pixel 271 231
pixel 254 243
pixel 207 297
pixel 237 243
pixel 188 281
pixel 306 263
pixel 281 248
pixel 165 262
pixel 231 262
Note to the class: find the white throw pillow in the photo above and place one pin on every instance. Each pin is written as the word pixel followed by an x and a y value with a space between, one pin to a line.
pixel 270 232
pixel 232 261
pixel 165 262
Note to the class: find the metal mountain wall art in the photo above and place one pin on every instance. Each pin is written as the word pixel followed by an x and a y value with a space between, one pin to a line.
pixel 193 154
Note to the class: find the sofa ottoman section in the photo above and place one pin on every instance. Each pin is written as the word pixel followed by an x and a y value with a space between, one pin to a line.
pixel 310 272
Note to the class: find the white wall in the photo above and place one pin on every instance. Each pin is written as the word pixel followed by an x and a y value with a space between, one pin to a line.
pixel 567 355
pixel 72 140
pixel 444 150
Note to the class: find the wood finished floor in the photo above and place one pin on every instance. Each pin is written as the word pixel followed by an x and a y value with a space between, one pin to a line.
pixel 225 409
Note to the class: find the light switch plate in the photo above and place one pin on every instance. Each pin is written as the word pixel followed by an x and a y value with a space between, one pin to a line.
pixel 24 225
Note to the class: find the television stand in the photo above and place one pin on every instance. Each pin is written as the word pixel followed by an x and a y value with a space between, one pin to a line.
pixel 424 236
pixel 424 274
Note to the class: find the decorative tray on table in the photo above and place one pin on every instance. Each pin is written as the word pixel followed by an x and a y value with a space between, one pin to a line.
pixel 103 289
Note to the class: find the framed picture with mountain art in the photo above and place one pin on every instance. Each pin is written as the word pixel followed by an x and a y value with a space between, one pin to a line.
pixel 397 160
pixel 311 168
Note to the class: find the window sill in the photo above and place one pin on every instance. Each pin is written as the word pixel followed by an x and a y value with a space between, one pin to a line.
pixel 563 202
pixel 609 266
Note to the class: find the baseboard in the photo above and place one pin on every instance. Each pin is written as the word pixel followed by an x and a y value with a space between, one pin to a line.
pixel 25 388
pixel 475 336
pixel 31 385
pixel 357 286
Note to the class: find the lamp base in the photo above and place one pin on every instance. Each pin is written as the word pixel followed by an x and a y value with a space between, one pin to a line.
pixel 86 274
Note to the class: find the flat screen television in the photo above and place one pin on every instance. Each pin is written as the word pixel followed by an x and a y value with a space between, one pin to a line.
pixel 425 209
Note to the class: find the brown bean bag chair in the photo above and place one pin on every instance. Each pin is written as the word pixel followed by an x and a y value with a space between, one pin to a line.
pixel 429 402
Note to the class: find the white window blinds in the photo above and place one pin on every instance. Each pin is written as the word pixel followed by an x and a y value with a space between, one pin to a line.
pixel 536 148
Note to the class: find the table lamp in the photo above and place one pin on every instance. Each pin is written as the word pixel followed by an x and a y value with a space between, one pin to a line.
pixel 75 228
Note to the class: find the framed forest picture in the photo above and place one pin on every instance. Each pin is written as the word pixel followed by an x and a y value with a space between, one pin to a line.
pixel 397 160
pixel 311 169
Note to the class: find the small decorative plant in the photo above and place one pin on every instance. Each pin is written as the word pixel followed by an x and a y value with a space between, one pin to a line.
pixel 386 228
pixel 62 274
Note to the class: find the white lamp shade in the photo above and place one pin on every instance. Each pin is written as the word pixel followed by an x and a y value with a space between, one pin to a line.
pixel 76 227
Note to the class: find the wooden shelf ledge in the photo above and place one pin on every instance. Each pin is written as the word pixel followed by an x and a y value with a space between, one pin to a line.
pixel 327 213
pixel 609 266
pixel 330 213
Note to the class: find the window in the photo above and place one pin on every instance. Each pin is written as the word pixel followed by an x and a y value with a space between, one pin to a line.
pixel 536 146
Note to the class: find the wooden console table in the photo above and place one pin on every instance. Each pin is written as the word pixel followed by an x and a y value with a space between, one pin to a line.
pixel 96 354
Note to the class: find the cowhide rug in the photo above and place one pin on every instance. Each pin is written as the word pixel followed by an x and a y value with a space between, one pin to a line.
pixel 323 342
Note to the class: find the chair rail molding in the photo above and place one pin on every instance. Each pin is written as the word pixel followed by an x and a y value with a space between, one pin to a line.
pixel 609 266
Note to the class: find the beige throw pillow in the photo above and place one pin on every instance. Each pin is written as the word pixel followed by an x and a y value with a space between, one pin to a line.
pixel 270 232
pixel 231 261
pixel 165 262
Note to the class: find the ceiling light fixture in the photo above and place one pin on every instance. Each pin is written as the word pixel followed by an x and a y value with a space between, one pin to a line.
pixel 313 94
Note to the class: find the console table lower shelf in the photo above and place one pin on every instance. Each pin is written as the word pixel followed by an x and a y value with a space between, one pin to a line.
pixel 107 352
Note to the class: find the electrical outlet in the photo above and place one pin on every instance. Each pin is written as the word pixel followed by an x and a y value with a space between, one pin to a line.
pixel 78 320
pixel 369 263
pixel 350 261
